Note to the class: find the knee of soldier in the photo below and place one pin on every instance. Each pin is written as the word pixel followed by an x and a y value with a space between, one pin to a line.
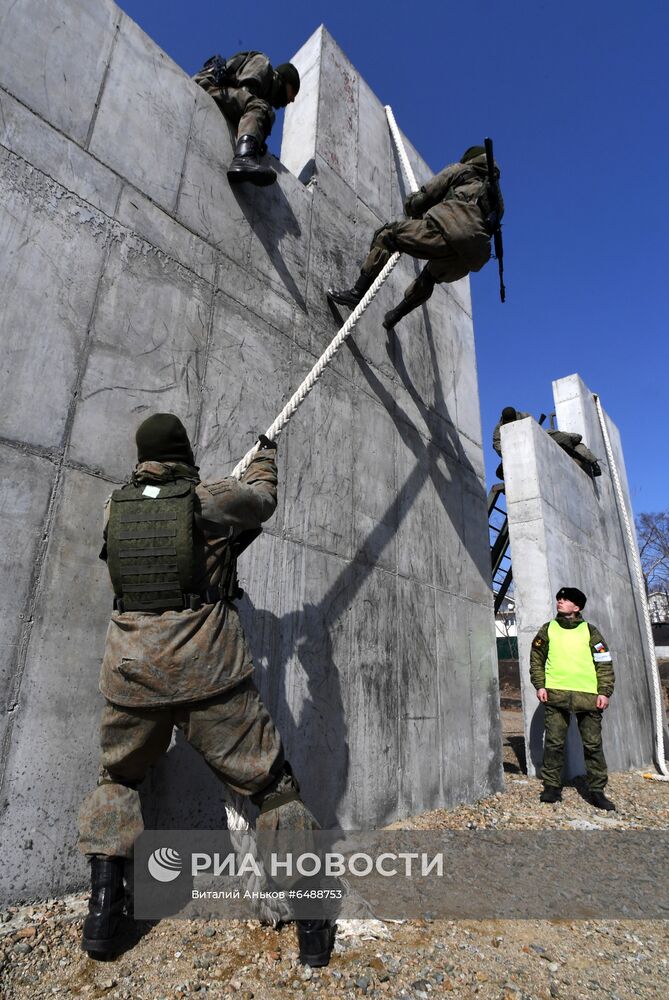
pixel 263 111
pixel 279 781
pixel 385 237
pixel 280 804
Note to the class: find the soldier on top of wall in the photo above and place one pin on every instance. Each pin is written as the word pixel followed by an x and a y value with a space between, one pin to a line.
pixel 247 88
pixel 451 221
pixel 571 443
pixel 175 655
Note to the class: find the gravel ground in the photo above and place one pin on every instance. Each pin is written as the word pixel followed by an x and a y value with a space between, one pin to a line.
pixel 500 959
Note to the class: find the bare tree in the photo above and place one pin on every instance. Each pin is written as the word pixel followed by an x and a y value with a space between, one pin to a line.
pixel 653 535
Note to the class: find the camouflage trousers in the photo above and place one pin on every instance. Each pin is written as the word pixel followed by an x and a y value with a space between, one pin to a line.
pixel 422 239
pixel 232 731
pixel 250 114
pixel 556 722
pixel 573 445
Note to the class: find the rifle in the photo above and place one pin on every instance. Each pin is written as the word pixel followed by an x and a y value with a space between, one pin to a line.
pixel 217 66
pixel 494 217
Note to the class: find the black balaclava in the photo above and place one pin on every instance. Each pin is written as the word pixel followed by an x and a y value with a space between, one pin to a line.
pixel 163 438
pixel 284 74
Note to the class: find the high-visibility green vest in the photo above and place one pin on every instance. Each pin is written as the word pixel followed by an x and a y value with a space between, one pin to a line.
pixel 569 665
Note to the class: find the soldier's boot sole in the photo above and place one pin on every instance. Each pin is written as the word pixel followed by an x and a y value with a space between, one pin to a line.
pixel 100 949
pixel 600 801
pixel 393 316
pixel 344 297
pixel 242 172
pixel 551 795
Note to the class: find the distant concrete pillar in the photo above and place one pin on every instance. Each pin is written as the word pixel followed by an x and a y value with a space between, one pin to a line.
pixel 565 530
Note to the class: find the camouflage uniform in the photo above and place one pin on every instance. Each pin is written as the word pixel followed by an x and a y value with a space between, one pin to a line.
pixel 247 99
pixel 571 443
pixel 497 433
pixel 191 669
pixel 451 235
pixel 561 703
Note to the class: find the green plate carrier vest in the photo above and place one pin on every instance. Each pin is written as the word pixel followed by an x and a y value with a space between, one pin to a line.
pixel 150 551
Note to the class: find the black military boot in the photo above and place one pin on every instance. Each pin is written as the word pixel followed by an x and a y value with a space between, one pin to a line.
pixel 105 907
pixel 246 165
pixel 351 296
pixel 600 801
pixel 551 794
pixel 396 314
pixel 316 939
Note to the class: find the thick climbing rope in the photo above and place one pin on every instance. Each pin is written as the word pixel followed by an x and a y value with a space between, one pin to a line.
pixel 635 567
pixel 237 806
pixel 312 378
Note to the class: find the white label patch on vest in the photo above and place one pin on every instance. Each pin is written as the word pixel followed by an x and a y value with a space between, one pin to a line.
pixel 151 491
pixel 601 657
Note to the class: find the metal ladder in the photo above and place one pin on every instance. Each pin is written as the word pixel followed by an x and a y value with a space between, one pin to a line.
pixel 498 525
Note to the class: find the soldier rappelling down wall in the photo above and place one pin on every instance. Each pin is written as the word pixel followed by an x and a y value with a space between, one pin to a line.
pixel 247 89
pixel 175 655
pixel 452 219
pixel 571 443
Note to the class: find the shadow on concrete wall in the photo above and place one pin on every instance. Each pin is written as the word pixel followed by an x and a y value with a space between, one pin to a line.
pixel 307 633
pixel 270 216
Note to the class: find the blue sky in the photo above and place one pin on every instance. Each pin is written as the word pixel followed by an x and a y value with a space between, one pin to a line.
pixel 574 95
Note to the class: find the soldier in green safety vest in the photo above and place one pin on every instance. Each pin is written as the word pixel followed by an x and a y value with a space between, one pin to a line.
pixel 176 655
pixel 572 670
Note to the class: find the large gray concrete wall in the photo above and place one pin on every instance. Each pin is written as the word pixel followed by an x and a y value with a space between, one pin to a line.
pixel 565 530
pixel 134 280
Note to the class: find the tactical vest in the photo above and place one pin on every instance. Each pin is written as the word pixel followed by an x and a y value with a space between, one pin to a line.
pixel 569 664
pixel 150 550
pixel 484 197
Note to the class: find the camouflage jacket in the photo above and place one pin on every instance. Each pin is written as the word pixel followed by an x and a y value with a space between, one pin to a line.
pixel 153 660
pixel 539 655
pixel 454 196
pixel 497 433
pixel 250 71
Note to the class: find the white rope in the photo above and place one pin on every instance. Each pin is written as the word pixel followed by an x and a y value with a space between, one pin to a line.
pixel 638 574
pixel 235 805
pixel 305 388
pixel 401 151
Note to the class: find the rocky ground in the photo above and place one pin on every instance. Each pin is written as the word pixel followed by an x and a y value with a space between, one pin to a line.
pixel 500 959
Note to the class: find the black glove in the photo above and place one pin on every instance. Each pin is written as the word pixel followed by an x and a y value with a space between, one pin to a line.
pixel 416 204
pixel 265 443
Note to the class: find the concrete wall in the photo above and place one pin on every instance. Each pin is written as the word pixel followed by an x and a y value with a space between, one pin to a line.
pixel 134 280
pixel 565 530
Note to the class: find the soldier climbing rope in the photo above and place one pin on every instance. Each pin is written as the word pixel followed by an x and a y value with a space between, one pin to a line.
pixel 309 382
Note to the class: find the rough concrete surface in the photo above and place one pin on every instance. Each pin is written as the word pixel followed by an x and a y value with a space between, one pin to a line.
pixel 134 280
pixel 565 530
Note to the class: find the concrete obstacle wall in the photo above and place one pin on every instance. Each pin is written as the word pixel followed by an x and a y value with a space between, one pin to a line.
pixel 135 280
pixel 565 530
